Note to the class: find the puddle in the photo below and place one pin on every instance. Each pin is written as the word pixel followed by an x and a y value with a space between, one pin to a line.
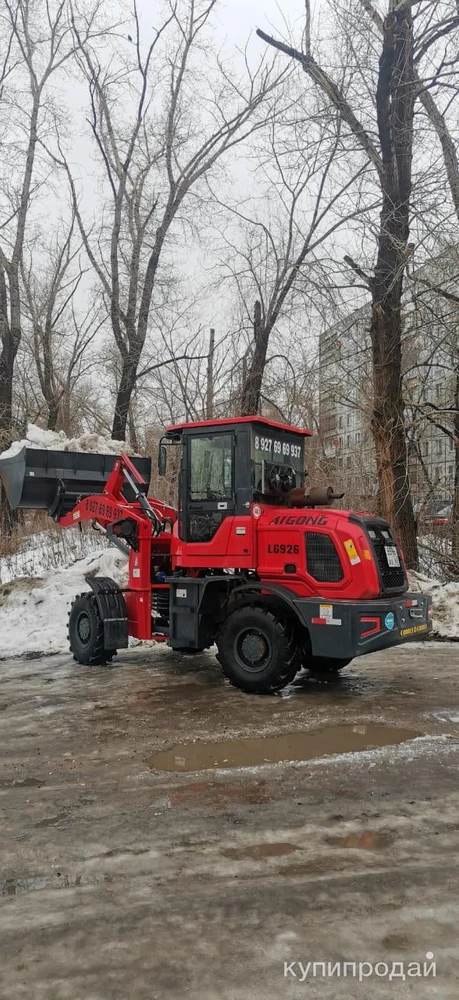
pixel 367 839
pixel 261 750
pixel 273 850
pixel 317 866
pixel 16 886
pixel 50 820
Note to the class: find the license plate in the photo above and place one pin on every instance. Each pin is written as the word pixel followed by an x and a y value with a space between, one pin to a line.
pixel 392 556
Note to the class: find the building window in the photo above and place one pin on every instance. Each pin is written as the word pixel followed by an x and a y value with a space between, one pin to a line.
pixel 439 448
pixel 340 422
pixel 450 470
pixel 451 444
pixel 357 437
pixel 348 440
pixel 348 419
pixel 425 447
pixel 348 461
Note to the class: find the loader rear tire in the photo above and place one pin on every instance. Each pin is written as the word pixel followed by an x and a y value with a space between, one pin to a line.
pixel 258 651
pixel 86 632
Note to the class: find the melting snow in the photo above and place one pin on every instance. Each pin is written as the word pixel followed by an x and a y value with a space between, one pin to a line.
pixel 445 600
pixel 34 612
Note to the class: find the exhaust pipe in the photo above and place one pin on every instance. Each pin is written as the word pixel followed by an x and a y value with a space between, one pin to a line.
pixel 318 496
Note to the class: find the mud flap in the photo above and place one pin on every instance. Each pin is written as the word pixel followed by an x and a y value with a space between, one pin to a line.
pixel 112 610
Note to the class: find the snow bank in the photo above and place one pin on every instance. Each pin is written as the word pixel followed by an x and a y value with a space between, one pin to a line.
pixel 445 600
pixel 44 551
pixel 34 613
pixel 37 437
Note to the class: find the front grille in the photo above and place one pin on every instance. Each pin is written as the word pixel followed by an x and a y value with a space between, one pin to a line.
pixel 322 559
pixel 392 577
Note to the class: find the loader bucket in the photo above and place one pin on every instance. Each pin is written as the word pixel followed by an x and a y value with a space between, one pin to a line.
pixel 54 480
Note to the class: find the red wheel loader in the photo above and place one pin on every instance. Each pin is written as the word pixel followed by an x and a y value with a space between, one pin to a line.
pixel 251 560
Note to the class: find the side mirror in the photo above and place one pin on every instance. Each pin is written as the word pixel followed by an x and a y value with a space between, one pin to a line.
pixel 162 460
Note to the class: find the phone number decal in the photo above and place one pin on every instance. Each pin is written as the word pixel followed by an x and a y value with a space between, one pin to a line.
pixel 271 446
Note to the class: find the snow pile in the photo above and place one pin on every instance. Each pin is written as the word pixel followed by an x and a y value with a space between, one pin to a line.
pixel 43 551
pixel 445 600
pixel 34 613
pixel 37 437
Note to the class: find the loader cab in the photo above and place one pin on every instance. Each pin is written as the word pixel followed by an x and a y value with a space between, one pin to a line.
pixel 227 465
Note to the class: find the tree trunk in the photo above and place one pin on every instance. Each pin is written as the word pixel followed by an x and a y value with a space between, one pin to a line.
pixel 53 415
pixel 388 428
pixel 395 108
pixel 251 389
pixel 133 438
pixel 124 394
pixel 7 358
pixel 455 511
pixel 8 517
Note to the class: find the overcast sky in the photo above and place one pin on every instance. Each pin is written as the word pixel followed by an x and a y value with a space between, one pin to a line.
pixel 235 20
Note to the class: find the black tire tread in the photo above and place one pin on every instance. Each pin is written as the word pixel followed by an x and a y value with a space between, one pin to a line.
pixel 287 639
pixel 99 655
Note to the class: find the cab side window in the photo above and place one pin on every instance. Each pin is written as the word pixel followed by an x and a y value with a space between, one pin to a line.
pixel 211 467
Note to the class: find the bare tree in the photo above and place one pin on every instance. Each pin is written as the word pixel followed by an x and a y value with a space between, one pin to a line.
pixel 185 118
pixel 60 321
pixel 391 158
pixel 36 42
pixel 273 253
pixel 437 87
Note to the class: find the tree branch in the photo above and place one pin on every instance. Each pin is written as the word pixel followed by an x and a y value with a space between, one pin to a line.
pixel 335 95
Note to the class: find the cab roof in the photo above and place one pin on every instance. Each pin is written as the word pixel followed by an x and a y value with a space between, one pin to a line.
pixel 230 421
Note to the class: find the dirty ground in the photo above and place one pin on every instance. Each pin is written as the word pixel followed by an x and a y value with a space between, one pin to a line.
pixel 166 836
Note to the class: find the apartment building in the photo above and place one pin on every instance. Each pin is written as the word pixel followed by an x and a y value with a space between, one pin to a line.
pixel 430 354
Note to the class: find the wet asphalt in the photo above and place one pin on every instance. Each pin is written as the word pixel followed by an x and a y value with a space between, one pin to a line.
pixel 165 836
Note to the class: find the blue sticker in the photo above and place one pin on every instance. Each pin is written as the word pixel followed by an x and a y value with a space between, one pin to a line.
pixel 389 620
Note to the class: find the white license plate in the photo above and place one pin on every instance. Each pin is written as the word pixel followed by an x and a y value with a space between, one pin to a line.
pixel 392 556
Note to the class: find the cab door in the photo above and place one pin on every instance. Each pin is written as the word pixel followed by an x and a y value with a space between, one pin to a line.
pixel 206 484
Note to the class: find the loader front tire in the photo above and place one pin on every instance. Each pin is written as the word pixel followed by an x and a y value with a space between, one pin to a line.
pixel 257 650
pixel 86 632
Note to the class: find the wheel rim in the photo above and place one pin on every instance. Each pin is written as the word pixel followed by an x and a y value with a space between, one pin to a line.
pixel 83 628
pixel 253 649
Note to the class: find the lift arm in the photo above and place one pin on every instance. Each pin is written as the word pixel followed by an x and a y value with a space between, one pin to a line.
pixel 111 506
